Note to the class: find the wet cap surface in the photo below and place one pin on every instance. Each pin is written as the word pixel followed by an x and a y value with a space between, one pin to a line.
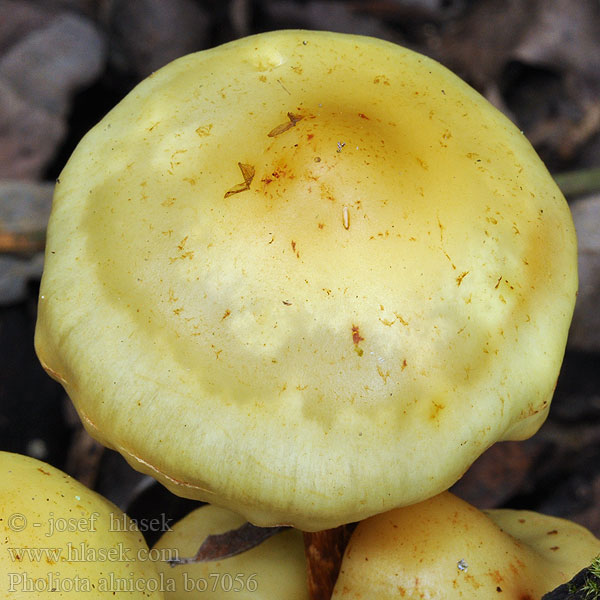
pixel 306 276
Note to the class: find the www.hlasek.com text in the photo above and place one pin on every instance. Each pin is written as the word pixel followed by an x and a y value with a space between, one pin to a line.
pixel 83 552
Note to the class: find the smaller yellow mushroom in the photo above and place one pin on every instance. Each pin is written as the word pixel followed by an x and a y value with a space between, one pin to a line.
pixel 58 539
pixel 275 569
pixel 446 548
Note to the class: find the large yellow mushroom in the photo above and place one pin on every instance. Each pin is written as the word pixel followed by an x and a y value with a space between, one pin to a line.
pixel 58 539
pixel 444 548
pixel 306 276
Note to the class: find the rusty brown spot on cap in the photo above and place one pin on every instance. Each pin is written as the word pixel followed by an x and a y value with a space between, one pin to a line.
pixel 296 252
pixel 357 339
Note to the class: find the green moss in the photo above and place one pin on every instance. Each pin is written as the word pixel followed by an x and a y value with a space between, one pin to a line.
pixel 590 589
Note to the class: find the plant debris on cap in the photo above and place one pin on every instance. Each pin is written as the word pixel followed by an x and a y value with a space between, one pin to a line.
pixel 306 276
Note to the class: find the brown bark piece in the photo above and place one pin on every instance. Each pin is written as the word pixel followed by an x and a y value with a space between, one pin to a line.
pixel 324 552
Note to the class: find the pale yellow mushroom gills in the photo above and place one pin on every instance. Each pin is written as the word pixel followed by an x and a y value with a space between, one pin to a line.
pixel 306 276
pixel 274 570
pixel 446 549
pixel 58 539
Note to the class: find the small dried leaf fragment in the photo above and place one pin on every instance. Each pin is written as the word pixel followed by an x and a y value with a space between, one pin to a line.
pixel 248 175
pixel 231 543
pixel 293 119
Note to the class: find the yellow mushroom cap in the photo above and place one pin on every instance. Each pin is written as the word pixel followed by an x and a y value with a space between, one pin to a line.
pixel 61 540
pixel 306 276
pixel 276 569
pixel 446 548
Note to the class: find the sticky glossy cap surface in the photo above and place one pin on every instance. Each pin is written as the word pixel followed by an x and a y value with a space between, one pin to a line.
pixel 306 276
pixel 60 540
pixel 446 548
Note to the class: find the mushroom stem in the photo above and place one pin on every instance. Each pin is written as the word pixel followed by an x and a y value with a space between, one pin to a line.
pixel 324 551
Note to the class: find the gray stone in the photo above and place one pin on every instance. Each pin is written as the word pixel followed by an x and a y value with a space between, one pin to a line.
pixel 90 8
pixel 39 74
pixel 339 16
pixel 19 18
pixel 24 211
pixel 51 63
pixel 147 34
pixel 24 205
pixel 29 135
pixel 563 34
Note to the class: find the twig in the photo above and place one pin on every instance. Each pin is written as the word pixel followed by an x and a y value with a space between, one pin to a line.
pixel 578 183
